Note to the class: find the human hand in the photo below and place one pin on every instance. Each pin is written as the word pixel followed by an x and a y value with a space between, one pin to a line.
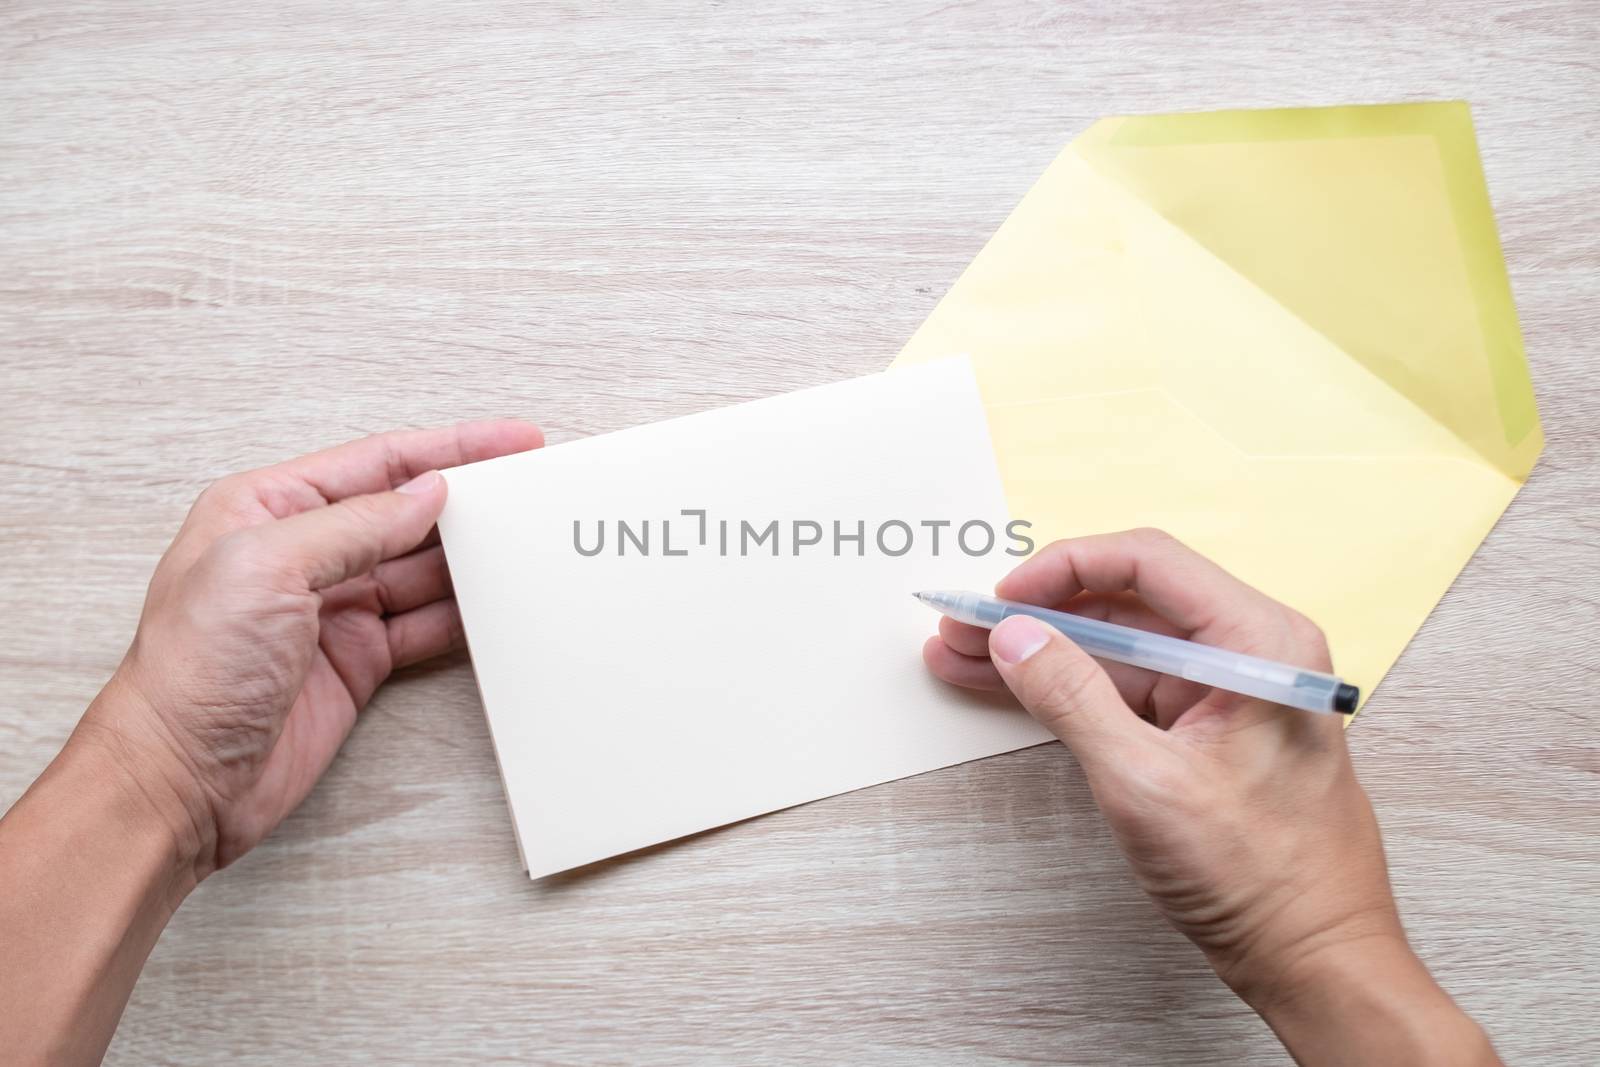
pixel 1242 820
pixel 287 597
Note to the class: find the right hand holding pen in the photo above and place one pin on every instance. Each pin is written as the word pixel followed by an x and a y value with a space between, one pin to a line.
pixel 1242 820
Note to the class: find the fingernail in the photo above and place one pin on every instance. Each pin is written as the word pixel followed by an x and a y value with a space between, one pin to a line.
pixel 422 483
pixel 1017 638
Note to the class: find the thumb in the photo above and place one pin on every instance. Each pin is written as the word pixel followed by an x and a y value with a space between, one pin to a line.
pixel 328 545
pixel 1064 689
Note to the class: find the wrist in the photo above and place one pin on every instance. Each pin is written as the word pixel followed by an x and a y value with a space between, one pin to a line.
pixel 125 819
pixel 121 741
pixel 1367 999
pixel 1287 959
pixel 91 870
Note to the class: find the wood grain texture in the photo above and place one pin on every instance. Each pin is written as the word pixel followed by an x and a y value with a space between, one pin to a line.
pixel 235 232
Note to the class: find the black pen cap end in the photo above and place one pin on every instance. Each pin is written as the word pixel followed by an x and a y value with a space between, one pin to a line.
pixel 1345 699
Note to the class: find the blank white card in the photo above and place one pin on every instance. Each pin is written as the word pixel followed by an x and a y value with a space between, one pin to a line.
pixel 689 623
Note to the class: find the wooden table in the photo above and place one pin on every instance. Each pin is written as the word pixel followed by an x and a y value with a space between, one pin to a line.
pixel 236 232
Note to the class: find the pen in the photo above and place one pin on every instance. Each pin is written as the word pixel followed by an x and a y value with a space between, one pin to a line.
pixel 1216 667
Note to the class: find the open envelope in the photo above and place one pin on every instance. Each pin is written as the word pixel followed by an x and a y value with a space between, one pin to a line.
pixel 1287 337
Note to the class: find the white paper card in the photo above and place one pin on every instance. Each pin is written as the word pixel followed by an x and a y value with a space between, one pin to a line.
pixel 665 686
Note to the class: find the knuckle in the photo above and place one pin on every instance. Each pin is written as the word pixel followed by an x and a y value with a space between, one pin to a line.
pixel 1047 556
pixel 1309 640
pixel 234 554
pixel 1305 631
pixel 383 590
pixel 1151 536
pixel 1151 542
pixel 223 493
pixel 388 444
pixel 397 637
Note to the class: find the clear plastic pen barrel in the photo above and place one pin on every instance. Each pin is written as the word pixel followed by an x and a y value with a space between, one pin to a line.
pixel 1233 671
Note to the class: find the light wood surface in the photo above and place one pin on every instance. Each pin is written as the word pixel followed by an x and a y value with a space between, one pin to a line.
pixel 230 233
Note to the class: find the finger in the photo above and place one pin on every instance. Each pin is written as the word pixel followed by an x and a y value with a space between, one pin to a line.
pixel 1067 692
pixel 354 642
pixel 424 633
pixel 964 660
pixel 412 580
pixel 389 460
pixel 371 465
pixel 1158 698
pixel 1124 609
pixel 971 643
pixel 969 672
pixel 325 546
pixel 1177 582
pixel 419 577
pixel 1198 597
pixel 965 639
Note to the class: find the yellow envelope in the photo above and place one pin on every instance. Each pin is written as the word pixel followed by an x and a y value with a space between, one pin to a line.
pixel 1285 336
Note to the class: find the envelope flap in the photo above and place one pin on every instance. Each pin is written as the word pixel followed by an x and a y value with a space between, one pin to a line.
pixel 1373 225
